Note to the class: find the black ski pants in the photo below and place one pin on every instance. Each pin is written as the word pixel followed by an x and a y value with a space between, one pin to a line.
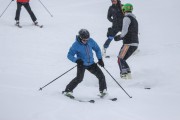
pixel 94 69
pixel 28 8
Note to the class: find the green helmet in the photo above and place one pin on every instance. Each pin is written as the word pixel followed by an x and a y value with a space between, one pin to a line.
pixel 127 7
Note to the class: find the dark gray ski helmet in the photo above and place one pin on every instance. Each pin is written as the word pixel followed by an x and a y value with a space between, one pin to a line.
pixel 84 34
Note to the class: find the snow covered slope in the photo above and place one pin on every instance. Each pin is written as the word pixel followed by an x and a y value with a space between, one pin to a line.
pixel 31 57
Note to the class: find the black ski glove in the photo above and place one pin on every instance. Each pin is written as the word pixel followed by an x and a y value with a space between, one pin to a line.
pixel 101 63
pixel 118 38
pixel 79 62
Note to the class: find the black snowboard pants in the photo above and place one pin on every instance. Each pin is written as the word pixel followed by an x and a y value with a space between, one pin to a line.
pixel 28 8
pixel 94 69
pixel 125 52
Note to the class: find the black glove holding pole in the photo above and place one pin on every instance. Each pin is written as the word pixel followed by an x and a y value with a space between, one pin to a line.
pixel 101 63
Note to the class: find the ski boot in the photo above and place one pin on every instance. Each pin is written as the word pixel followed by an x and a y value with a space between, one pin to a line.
pixel 17 23
pixel 103 93
pixel 68 94
pixel 35 23
pixel 104 53
pixel 126 76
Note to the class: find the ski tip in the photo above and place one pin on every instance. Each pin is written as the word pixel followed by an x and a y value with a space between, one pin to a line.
pixel 114 99
pixel 107 56
pixel 92 101
pixel 130 96
pixel 147 88
pixel 18 26
pixel 40 89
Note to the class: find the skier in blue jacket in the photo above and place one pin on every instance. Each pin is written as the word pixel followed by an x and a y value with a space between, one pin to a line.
pixel 81 53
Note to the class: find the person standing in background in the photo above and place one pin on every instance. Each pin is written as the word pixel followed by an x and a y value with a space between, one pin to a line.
pixel 115 16
pixel 129 35
pixel 24 3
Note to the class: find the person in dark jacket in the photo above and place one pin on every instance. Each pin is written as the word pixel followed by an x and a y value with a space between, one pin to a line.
pixel 115 15
pixel 130 39
pixel 81 53
pixel 24 3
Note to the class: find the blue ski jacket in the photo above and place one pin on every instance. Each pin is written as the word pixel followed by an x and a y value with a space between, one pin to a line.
pixel 84 52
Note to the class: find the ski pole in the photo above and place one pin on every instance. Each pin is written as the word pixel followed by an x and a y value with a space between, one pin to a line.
pixel 117 82
pixel 57 78
pixel 6 8
pixel 45 8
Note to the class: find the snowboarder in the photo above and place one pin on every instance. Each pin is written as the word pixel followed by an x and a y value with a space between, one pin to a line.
pixel 130 39
pixel 115 15
pixel 81 53
pixel 24 3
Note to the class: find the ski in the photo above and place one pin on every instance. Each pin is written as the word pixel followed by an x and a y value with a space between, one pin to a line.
pixel 19 26
pixel 79 100
pixel 107 56
pixel 90 101
pixel 40 26
pixel 148 88
pixel 111 99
